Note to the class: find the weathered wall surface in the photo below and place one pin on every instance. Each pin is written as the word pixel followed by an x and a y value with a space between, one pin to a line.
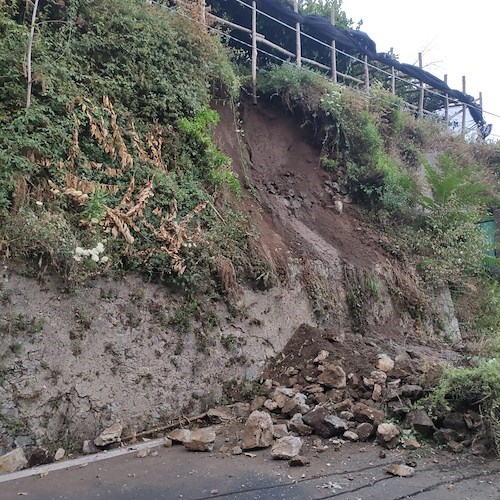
pixel 72 363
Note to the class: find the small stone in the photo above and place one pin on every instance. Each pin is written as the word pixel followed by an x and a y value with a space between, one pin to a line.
pixel 110 435
pixel 364 413
pixel 412 444
pixel 296 424
pixel 411 391
pixel 364 431
pixel 299 461
pixel 378 377
pixel 322 355
pixel 455 447
pixel 280 430
pixel 346 404
pixel 59 454
pixel 236 450
pixel 201 440
pixel 388 435
pixel 286 448
pixel 385 363
pixel 382 454
pixel 219 415
pixel 258 431
pixel 377 392
pixel 420 421
pixel 154 453
pixel 13 461
pixel 333 377
pixel 257 403
pixel 167 443
pixel 270 405
pixel 444 436
pixel 400 470
pixel 143 453
pixel 353 380
pixel 179 435
pixel 285 391
pixel 88 447
pixel 296 404
pixel 214 492
pixel 314 389
pixel 267 384
pixel 350 436
pixel 346 415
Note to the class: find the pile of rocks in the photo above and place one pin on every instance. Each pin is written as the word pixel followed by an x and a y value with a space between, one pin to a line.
pixel 322 399
pixel 319 399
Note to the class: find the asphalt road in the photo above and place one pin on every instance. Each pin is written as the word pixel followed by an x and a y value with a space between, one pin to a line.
pixel 354 473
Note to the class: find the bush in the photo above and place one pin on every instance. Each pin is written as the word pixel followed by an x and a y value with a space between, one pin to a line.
pixel 477 387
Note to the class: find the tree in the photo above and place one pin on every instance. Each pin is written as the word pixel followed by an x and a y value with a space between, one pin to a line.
pixel 324 8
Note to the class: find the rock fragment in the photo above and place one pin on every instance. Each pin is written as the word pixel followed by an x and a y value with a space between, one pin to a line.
pixel 333 376
pixel 201 440
pixel 286 448
pixel 258 431
pixel 13 461
pixel 88 447
pixel 59 455
pixel 179 435
pixel 385 363
pixel 420 421
pixel 296 424
pixel 388 435
pixel 324 424
pixel 299 461
pixel 400 470
pixel 109 436
pixel 365 413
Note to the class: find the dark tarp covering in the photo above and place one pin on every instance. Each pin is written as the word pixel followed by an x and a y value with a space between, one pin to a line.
pixel 357 42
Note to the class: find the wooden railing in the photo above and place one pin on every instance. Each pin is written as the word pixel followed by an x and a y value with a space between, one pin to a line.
pixel 450 114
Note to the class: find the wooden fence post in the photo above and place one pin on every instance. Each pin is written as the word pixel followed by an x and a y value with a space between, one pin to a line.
pixel 393 74
pixel 464 107
pixel 421 99
pixel 367 75
pixel 298 48
pixel 446 104
pixel 254 51
pixel 334 48
pixel 203 12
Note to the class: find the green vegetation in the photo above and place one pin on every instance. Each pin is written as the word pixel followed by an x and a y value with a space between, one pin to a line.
pixel 115 151
pixel 477 387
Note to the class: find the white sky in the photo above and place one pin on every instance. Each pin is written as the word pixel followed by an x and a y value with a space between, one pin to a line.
pixel 455 38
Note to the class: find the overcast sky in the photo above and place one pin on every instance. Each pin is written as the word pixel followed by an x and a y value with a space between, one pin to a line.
pixel 455 38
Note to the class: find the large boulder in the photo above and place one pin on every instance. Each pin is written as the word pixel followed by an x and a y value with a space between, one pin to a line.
pixel 13 461
pixel 324 424
pixel 258 431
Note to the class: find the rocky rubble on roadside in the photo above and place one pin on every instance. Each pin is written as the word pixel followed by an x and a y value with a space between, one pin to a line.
pixel 324 404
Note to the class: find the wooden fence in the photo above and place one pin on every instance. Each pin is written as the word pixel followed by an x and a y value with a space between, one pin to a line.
pixel 450 114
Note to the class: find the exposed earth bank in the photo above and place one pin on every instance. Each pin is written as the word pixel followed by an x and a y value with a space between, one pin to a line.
pixel 119 349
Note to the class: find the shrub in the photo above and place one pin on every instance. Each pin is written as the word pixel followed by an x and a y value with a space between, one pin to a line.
pixel 477 387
